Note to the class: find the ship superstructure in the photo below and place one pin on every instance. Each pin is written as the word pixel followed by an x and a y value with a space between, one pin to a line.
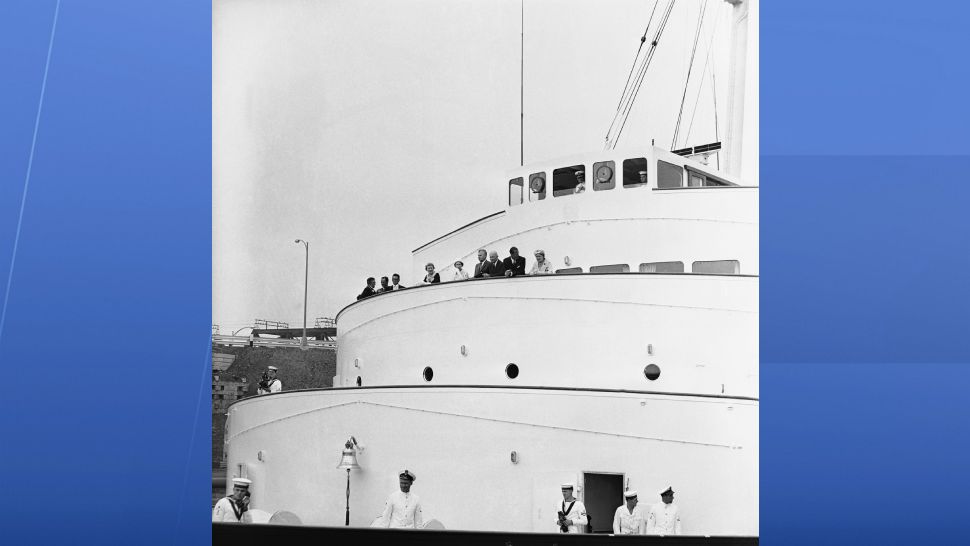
pixel 633 365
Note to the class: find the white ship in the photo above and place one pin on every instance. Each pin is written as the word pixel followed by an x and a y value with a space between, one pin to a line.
pixel 634 366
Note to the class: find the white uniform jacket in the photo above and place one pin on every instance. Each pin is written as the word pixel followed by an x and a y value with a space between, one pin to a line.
pixel 223 512
pixel 402 510
pixel 663 519
pixel 275 385
pixel 576 516
pixel 627 523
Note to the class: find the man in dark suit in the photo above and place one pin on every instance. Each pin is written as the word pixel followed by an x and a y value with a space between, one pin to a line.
pixel 493 267
pixel 396 280
pixel 384 286
pixel 481 262
pixel 514 265
pixel 369 289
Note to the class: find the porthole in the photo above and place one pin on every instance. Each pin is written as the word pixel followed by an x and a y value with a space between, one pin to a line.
pixel 512 371
pixel 359 382
pixel 652 372
pixel 428 373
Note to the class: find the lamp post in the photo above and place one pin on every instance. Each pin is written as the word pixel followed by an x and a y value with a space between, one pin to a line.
pixel 348 462
pixel 306 284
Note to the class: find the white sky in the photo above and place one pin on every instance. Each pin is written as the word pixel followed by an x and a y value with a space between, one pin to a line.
pixel 370 127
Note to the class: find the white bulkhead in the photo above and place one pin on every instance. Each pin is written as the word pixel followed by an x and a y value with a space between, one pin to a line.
pixel 495 391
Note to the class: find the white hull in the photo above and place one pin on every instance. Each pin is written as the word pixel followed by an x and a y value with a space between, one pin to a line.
pixel 459 440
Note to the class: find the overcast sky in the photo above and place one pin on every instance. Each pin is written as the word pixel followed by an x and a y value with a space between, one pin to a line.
pixel 371 127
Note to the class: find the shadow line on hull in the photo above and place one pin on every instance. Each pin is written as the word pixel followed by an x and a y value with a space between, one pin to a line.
pixel 262 534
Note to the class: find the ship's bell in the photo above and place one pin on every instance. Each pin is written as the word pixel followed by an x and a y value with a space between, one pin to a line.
pixel 348 459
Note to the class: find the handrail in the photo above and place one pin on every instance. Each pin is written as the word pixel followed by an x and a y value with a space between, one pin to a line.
pixel 459 229
pixel 520 277
pixel 248 341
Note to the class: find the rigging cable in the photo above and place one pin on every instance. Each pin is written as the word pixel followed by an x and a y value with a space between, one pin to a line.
pixel 645 64
pixel 697 35
pixel 700 87
pixel 716 137
pixel 626 86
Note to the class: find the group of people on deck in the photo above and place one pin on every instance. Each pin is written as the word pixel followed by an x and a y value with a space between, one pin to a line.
pixel 662 518
pixel 402 510
pixel 489 265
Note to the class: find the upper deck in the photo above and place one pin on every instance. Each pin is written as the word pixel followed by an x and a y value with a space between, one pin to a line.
pixel 614 211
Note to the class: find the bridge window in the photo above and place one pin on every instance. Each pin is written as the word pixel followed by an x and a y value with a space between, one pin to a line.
pixel 662 267
pixel 614 268
pixel 604 175
pixel 515 191
pixel 698 178
pixel 669 175
pixel 718 267
pixel 568 180
pixel 537 186
pixel 570 271
pixel 635 172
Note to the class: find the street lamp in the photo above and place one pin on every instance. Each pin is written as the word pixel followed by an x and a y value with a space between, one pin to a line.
pixel 306 283
pixel 348 462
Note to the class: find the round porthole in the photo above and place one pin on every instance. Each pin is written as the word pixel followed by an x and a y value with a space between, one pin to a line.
pixel 428 373
pixel 512 371
pixel 359 382
pixel 652 372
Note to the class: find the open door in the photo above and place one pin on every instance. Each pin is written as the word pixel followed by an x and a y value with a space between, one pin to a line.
pixel 602 494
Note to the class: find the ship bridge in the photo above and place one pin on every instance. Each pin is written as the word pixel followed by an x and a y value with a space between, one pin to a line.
pixel 647 211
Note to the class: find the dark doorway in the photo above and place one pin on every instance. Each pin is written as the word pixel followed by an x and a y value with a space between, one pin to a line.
pixel 604 492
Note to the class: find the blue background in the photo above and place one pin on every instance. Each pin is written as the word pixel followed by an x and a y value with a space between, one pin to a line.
pixel 865 287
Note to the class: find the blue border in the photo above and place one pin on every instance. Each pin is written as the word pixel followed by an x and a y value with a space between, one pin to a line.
pixel 865 251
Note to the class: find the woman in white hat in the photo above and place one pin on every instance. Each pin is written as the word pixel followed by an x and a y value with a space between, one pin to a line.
pixel 460 274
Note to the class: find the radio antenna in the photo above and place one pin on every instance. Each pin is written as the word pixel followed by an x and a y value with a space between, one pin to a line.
pixel 522 84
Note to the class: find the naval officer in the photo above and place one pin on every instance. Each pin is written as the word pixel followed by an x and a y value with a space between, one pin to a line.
pixel 231 508
pixel 628 519
pixel 571 514
pixel 403 508
pixel 664 517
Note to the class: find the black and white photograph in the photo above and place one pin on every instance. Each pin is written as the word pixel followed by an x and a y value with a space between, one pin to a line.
pixel 486 267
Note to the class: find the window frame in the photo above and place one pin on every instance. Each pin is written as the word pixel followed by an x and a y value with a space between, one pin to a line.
pixel 646 167
pixel 682 269
pixel 666 166
pixel 521 186
pixel 545 186
pixel 737 267
pixel 611 183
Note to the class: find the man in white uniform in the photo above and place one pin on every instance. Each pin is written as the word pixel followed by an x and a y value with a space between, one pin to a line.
pixel 403 508
pixel 231 509
pixel 628 519
pixel 571 514
pixel 273 384
pixel 664 517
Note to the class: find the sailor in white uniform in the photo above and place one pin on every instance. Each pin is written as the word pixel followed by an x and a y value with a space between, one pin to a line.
pixel 571 514
pixel 628 519
pixel 664 517
pixel 403 508
pixel 274 383
pixel 231 509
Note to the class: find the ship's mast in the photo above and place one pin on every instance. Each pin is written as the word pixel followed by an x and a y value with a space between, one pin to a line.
pixel 522 84
pixel 734 134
